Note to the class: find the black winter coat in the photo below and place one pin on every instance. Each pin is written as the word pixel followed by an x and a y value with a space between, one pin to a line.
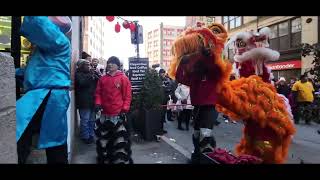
pixel 284 90
pixel 85 86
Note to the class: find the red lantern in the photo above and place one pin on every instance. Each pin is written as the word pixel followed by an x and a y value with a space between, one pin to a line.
pixel 110 18
pixel 117 27
pixel 132 27
pixel 125 24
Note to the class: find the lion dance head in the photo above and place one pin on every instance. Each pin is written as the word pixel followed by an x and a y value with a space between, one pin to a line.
pixel 200 44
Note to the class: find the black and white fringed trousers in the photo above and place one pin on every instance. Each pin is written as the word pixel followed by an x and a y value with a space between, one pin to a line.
pixel 113 141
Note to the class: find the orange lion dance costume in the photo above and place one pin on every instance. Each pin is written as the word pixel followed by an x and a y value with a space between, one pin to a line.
pixel 268 126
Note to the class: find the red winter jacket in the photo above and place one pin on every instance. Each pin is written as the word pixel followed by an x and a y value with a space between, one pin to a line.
pixel 113 93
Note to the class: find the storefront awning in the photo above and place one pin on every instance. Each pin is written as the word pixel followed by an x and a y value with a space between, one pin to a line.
pixel 292 64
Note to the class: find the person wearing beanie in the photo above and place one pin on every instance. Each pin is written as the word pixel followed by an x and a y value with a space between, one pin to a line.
pixel 113 99
pixel 43 108
pixel 85 86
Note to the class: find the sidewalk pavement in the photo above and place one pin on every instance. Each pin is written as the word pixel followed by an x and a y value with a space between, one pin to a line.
pixel 142 153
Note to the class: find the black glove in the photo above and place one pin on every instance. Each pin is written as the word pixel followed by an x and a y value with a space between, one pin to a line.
pixel 98 108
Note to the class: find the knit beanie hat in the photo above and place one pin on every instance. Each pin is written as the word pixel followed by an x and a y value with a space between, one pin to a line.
pixel 114 60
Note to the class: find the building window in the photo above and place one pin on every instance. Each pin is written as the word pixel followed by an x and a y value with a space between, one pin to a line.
pixel 166 52
pixel 274 37
pixel 155 33
pixel 150 35
pixel 171 32
pixel 296 32
pixel 238 21
pixel 231 22
pixel 165 31
pixel 210 19
pixel 286 35
pixel 283 29
pixel 155 53
pixel 179 31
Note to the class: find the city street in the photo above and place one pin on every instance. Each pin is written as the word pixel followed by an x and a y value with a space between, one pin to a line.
pixel 305 146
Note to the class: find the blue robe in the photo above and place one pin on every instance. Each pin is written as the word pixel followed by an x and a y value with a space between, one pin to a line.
pixel 48 70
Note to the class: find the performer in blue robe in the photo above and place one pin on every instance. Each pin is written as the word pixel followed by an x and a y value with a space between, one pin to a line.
pixel 44 106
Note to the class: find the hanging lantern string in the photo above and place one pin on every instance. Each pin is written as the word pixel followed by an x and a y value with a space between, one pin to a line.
pixel 126 23
pixel 119 17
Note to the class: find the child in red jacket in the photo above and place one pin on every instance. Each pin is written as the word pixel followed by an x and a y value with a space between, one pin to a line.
pixel 112 99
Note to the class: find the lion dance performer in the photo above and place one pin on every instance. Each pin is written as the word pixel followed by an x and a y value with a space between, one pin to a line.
pixel 268 125
pixel 252 52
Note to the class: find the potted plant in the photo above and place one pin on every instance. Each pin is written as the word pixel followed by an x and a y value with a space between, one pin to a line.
pixel 148 106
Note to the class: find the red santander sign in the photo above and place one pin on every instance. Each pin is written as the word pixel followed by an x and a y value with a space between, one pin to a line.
pixel 293 64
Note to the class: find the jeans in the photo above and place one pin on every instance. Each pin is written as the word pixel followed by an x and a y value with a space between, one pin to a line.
pixel 87 119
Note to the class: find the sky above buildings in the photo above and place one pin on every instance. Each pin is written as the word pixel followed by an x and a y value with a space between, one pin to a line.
pixel 119 44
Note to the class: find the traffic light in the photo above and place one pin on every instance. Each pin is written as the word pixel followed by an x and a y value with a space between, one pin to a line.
pixel 137 35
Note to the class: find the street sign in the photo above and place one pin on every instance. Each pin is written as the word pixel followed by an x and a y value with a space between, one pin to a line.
pixel 137 70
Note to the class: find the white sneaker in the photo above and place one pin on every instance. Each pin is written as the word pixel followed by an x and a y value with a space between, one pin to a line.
pixel 234 122
pixel 226 120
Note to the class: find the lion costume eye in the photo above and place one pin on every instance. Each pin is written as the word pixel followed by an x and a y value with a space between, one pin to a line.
pixel 241 43
pixel 216 30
